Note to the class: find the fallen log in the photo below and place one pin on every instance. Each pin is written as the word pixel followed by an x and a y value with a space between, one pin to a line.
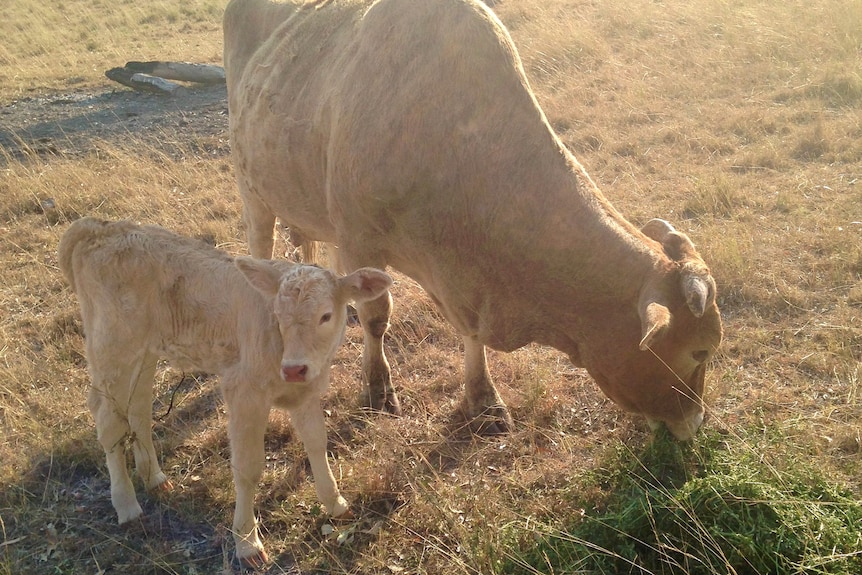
pixel 144 82
pixel 182 71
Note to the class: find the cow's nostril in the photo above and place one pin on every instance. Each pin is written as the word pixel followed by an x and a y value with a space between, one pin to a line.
pixel 294 372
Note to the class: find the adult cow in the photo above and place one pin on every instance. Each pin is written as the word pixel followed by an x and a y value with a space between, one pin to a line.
pixel 405 132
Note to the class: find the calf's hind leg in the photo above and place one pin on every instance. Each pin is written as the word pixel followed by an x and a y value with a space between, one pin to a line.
pixel 141 424
pixel 108 401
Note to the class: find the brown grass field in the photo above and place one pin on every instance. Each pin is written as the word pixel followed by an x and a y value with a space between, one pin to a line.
pixel 740 121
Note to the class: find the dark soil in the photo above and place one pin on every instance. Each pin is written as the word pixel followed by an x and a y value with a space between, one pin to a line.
pixel 74 123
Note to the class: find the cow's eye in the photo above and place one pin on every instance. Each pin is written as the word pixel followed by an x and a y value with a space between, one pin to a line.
pixel 700 356
pixel 325 318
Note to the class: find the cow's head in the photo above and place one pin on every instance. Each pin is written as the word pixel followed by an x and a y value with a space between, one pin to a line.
pixel 310 304
pixel 659 369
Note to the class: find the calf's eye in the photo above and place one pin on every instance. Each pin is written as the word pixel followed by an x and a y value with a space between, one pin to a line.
pixel 325 318
pixel 700 356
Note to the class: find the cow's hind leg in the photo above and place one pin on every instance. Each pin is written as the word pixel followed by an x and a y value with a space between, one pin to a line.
pixel 141 424
pixel 376 375
pixel 482 404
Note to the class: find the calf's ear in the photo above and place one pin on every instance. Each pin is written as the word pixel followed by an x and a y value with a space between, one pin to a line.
pixel 260 274
pixel 365 284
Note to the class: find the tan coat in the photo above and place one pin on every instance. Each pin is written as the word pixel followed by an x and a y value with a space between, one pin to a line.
pixel 406 132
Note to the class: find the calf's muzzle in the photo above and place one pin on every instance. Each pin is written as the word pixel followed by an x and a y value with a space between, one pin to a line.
pixel 293 372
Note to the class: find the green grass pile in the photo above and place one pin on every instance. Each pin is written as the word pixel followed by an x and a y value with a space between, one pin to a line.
pixel 707 509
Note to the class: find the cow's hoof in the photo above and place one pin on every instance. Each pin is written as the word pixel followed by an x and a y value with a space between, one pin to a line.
pixel 386 402
pixel 256 560
pixel 340 509
pixel 494 420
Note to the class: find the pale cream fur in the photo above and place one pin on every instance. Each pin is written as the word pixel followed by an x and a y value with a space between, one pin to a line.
pixel 268 329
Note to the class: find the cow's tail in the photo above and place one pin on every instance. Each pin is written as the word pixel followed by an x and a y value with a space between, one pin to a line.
pixel 81 230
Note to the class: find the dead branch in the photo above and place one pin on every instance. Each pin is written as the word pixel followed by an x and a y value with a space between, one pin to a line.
pixel 144 82
pixel 182 71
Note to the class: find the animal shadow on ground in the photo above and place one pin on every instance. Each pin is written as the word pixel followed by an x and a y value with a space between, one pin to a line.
pixel 67 522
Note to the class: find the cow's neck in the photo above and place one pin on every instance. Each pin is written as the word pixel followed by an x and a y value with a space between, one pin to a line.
pixel 578 266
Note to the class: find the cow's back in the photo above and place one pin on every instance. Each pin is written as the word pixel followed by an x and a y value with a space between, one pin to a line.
pixel 356 113
pixel 145 287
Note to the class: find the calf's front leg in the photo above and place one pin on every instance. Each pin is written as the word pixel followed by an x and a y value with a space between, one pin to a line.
pixel 308 421
pixel 248 413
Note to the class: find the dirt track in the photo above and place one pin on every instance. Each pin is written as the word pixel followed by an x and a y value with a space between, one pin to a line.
pixel 72 123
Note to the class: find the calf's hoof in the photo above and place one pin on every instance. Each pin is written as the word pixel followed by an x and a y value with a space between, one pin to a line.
pixel 340 509
pixel 128 512
pixel 165 486
pixel 127 517
pixel 256 560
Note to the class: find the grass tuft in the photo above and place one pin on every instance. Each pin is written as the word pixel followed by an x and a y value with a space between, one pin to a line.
pixel 718 507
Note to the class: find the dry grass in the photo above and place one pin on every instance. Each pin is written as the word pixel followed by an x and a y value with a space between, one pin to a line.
pixel 49 46
pixel 739 122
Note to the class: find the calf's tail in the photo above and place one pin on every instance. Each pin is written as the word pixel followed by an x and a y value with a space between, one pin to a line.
pixel 81 230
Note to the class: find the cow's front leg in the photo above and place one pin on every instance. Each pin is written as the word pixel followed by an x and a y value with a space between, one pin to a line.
pixel 248 412
pixel 376 376
pixel 482 404
pixel 308 421
pixel 259 224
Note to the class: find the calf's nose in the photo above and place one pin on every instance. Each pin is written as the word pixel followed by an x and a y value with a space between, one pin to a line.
pixel 294 372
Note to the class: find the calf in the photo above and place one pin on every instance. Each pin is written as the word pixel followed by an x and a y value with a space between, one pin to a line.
pixel 269 330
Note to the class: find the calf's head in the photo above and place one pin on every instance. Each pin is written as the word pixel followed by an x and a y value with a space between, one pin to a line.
pixel 310 305
pixel 660 366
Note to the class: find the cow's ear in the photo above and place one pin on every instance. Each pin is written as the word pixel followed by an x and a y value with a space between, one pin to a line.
pixel 261 274
pixel 657 229
pixel 655 318
pixel 365 284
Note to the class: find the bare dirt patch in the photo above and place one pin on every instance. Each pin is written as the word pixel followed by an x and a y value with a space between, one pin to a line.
pixel 71 123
